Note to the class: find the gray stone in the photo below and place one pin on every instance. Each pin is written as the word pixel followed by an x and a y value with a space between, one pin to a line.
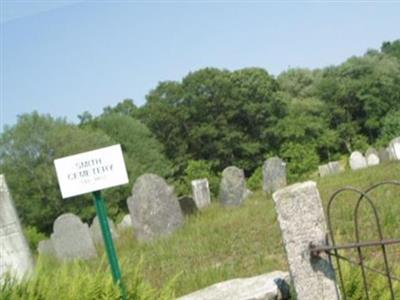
pixel 330 168
pixel 154 208
pixel 46 248
pixel 201 193
pixel 15 256
pixel 232 187
pixel 372 157
pixel 188 206
pixel 95 231
pixel 125 223
pixel 71 238
pixel 357 161
pixel 274 174
pixel 384 155
pixel 247 193
pixel 394 149
pixel 271 286
pixel 302 222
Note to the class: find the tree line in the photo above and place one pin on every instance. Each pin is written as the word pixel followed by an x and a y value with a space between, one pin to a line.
pixel 209 120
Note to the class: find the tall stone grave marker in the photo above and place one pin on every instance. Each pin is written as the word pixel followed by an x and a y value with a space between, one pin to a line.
pixel 201 193
pixel 15 256
pixel 274 174
pixel 357 161
pixel 232 189
pixel 71 238
pixel 384 155
pixel 301 219
pixel 95 231
pixel 394 148
pixel 154 208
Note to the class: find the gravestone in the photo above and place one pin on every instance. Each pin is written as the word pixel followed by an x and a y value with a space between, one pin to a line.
pixel 154 208
pixel 330 168
pixel 274 174
pixel 302 222
pixel 45 247
pixel 357 161
pixel 125 223
pixel 384 155
pixel 201 193
pixel 96 234
pixel 372 157
pixel 232 188
pixel 15 256
pixel 188 206
pixel 394 149
pixel 71 238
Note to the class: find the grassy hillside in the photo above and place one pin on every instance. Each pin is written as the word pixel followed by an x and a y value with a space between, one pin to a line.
pixel 222 243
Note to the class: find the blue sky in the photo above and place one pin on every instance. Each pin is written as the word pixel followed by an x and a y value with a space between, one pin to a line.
pixel 66 57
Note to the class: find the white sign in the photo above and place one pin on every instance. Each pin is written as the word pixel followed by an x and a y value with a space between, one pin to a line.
pixel 91 171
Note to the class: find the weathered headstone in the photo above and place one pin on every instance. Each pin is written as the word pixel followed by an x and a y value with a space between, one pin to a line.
pixel 372 157
pixel 201 193
pixel 154 208
pixel 274 174
pixel 394 148
pixel 357 161
pixel 330 168
pixel 232 187
pixel 45 247
pixel 15 256
pixel 384 155
pixel 96 234
pixel 187 204
pixel 125 223
pixel 71 238
pixel 302 222
pixel 270 286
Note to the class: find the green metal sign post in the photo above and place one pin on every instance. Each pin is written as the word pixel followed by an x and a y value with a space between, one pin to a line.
pixel 108 242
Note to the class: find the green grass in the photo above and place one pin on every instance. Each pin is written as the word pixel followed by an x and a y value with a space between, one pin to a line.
pixel 223 243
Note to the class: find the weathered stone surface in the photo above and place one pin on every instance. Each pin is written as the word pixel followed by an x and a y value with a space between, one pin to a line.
pixel 372 157
pixel 125 223
pixel 330 168
pixel 15 256
pixel 95 231
pixel 232 187
pixel 154 208
pixel 71 238
pixel 271 286
pixel 247 193
pixel 188 206
pixel 394 149
pixel 274 174
pixel 384 155
pixel 357 161
pixel 301 219
pixel 45 247
pixel 201 193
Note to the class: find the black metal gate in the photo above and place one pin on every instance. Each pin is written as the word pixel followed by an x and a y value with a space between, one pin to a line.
pixel 332 249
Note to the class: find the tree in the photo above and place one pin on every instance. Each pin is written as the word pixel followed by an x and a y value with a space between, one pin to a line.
pixel 28 150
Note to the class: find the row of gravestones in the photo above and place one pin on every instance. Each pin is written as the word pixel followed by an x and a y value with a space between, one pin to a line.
pixel 155 210
pixel 357 160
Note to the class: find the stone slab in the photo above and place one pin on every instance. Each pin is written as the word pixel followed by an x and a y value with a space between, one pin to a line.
pixel 274 174
pixel 201 193
pixel 232 187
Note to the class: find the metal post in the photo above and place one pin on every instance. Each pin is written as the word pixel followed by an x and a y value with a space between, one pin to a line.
pixel 108 242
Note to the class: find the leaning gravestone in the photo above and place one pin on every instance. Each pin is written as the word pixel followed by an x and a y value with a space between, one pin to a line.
pixel 71 238
pixel 357 161
pixel 394 148
pixel 384 155
pixel 232 189
pixel 154 208
pixel 302 222
pixel 15 256
pixel 372 157
pixel 201 193
pixel 274 175
pixel 330 168
pixel 96 234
